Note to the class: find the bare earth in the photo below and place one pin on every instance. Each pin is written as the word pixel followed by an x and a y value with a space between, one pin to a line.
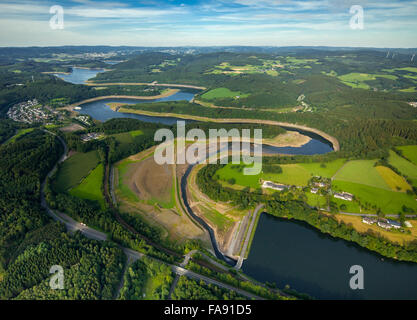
pixel 148 181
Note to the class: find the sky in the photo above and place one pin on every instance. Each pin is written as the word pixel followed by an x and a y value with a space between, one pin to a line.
pixel 386 24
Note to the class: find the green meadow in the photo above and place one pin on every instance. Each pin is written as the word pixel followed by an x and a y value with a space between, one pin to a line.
pixel 362 172
pixel 19 134
pixel 123 188
pixel 292 174
pixel 410 153
pixel 404 166
pixel 74 169
pixel 219 93
pixel 389 202
pixel 356 80
pixel 91 187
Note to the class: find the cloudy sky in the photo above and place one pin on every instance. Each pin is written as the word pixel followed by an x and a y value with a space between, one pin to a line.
pixel 209 22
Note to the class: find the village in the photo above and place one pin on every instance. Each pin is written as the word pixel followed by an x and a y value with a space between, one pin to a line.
pixel 31 111
pixel 316 184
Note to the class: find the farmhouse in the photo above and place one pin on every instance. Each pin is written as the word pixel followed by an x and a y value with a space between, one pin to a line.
pixel 320 184
pixel 389 224
pixel 271 185
pixel 314 190
pixel 369 220
pixel 344 196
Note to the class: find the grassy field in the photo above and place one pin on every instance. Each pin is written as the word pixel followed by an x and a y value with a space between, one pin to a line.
pixel 222 93
pixel 220 220
pixel 410 153
pixel 393 180
pixel 388 201
pixel 362 172
pixel 292 174
pixel 125 191
pixel 327 169
pixel 74 169
pixel 127 137
pixel 20 133
pixel 404 166
pixel 91 187
pixel 356 80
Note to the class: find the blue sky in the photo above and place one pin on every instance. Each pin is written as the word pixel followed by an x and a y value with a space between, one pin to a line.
pixel 210 22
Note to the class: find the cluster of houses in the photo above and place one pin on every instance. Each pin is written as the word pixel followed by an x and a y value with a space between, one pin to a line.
pixel 84 119
pixel 386 224
pixel 29 112
pixel 413 104
pixel 91 136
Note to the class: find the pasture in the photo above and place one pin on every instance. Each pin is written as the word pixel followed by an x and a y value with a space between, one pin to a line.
pixel 404 166
pixel 292 174
pixel 362 172
pixel 220 93
pixel 74 169
pixel 393 180
pixel 388 201
pixel 410 153
pixel 91 187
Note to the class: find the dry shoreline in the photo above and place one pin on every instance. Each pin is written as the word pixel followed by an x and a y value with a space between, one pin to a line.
pixel 332 140
pixel 168 93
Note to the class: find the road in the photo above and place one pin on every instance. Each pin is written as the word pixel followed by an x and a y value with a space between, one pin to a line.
pixel 248 237
pixel 132 255
pixel 192 275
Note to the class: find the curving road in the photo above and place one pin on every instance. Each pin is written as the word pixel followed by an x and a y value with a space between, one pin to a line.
pixel 132 255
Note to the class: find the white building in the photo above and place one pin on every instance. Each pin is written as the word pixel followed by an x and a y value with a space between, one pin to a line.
pixel 271 185
pixel 344 196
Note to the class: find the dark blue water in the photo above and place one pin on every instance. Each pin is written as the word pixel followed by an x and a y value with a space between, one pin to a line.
pixel 99 110
pixel 79 76
pixel 293 253
pixel 314 146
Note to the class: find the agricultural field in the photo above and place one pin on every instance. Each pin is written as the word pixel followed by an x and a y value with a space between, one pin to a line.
pixel 127 137
pixel 409 152
pixel 357 80
pixel 219 93
pixel 362 172
pixel 74 169
pixel 404 166
pixel 91 186
pixel 390 202
pixel 393 180
pixel 268 67
pixel 292 174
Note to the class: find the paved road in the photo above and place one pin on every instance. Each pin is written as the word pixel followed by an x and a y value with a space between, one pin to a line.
pixel 192 275
pixel 132 255
pixel 248 236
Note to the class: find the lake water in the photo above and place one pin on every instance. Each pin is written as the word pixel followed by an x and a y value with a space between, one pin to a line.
pixel 100 110
pixel 294 253
pixel 78 75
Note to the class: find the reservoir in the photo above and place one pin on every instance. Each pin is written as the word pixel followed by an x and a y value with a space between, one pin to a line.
pixel 296 254
pixel 79 75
